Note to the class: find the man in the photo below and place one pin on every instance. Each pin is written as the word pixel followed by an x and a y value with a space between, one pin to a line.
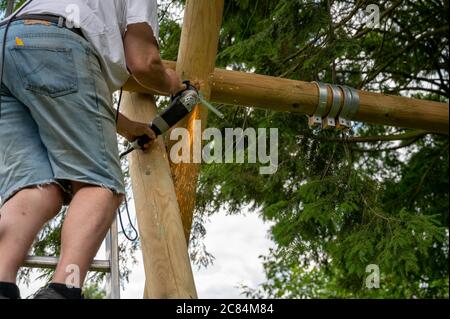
pixel 57 125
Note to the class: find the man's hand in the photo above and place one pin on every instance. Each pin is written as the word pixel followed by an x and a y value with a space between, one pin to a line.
pixel 176 84
pixel 134 130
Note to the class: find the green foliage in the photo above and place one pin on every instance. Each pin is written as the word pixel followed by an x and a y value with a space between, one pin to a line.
pixel 93 292
pixel 339 206
pixel 3 4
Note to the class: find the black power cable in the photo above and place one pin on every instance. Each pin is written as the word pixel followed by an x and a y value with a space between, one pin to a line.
pixel 118 105
pixel 136 234
pixel 128 151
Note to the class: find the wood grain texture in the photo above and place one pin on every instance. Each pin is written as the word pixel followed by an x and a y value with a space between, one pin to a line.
pixel 166 261
pixel 403 112
pixel 283 95
pixel 196 62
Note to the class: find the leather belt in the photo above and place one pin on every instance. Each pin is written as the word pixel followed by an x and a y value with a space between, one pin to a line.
pixel 58 20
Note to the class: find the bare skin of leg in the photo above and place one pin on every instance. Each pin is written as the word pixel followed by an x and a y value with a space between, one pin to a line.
pixel 88 219
pixel 22 217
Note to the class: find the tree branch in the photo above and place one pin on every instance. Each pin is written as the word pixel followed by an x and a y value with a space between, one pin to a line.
pixel 369 139
pixel 322 34
pixel 418 88
pixel 381 68
pixel 377 150
pixel 422 179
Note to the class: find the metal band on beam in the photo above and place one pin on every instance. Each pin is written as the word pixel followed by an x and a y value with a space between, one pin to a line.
pixel 330 120
pixel 343 121
pixel 350 108
pixel 356 102
pixel 321 109
pixel 340 117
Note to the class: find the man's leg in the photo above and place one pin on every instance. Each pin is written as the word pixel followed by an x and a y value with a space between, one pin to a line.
pixel 22 217
pixel 89 217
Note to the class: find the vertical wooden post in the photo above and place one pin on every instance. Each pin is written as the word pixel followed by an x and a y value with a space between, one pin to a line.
pixel 166 261
pixel 196 62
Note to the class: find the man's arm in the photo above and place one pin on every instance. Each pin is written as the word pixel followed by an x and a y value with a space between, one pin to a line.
pixel 144 60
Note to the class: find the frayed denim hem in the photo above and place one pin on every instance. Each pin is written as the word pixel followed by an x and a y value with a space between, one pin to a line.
pixel 38 185
pixel 68 194
pixel 116 190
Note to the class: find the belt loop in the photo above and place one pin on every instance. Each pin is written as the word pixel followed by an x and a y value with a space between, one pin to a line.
pixel 61 22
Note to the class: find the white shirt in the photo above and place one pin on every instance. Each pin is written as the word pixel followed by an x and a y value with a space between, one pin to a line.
pixel 103 23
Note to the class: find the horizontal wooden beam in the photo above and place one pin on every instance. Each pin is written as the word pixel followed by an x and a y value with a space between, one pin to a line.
pixel 284 95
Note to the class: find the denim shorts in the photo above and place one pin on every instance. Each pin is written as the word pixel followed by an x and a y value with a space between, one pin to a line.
pixel 56 120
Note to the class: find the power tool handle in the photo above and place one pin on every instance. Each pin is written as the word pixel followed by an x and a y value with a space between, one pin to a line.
pixel 144 139
pixel 140 142
pixel 189 86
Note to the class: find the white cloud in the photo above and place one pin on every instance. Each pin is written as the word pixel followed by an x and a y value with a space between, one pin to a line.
pixel 236 242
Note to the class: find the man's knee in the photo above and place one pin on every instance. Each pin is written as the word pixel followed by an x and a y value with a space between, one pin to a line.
pixel 48 199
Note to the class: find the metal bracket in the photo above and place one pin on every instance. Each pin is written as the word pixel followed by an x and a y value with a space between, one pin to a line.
pixel 344 107
pixel 356 103
pixel 350 108
pixel 330 120
pixel 316 119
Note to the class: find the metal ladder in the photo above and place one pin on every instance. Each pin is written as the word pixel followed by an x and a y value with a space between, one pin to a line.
pixel 109 266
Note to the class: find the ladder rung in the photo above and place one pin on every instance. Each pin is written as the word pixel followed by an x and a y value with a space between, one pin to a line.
pixel 51 262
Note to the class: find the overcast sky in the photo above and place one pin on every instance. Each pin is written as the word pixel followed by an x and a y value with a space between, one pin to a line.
pixel 236 242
